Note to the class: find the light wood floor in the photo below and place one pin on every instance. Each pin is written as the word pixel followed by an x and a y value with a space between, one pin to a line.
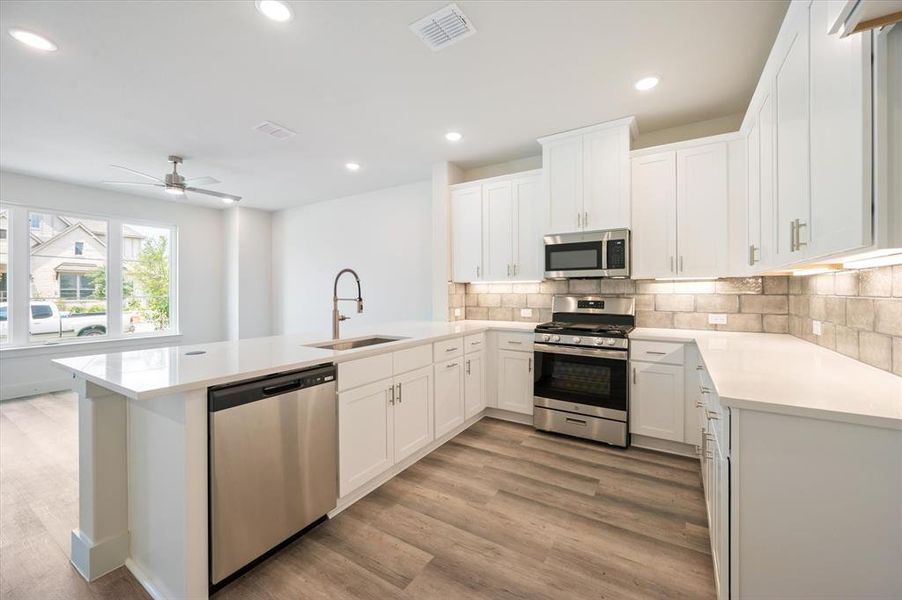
pixel 501 511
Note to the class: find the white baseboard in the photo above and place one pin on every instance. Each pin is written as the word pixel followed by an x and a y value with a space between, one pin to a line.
pixel 153 588
pixel 35 388
pixel 668 446
pixel 95 559
pixel 506 415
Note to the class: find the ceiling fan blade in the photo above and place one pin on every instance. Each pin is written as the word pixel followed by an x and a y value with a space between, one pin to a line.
pixel 157 179
pixel 134 183
pixel 202 181
pixel 212 193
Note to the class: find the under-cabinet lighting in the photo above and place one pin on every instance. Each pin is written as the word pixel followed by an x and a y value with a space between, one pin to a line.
pixel 812 271
pixel 502 281
pixel 685 278
pixel 877 261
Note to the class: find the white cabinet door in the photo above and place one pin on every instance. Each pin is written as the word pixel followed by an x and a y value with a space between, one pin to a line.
pixel 365 434
pixel 412 412
pixel 702 202
pixel 840 138
pixel 527 197
pixel 792 139
pixel 515 381
pixel 449 395
pixel 497 206
pixel 562 163
pixel 752 240
pixel 656 401
pixel 474 383
pixel 767 182
pixel 606 179
pixel 654 216
pixel 466 234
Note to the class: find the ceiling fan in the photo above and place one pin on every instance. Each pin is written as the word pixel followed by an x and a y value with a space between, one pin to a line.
pixel 176 184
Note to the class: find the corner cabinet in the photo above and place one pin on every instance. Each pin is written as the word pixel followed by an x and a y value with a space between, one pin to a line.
pixel 586 177
pixel 496 232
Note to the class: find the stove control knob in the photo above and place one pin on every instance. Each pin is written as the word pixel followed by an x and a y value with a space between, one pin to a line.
pixel 599 341
pixel 577 340
pixel 610 341
pixel 545 337
pixel 556 338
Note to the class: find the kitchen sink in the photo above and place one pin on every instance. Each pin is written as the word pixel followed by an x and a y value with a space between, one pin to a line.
pixel 356 343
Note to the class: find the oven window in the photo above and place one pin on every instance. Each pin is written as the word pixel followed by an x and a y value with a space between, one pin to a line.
pixel 582 379
pixel 579 256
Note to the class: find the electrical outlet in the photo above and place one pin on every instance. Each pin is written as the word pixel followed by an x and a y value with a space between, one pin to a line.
pixel 816 328
pixel 717 319
pixel 525 312
pixel 456 312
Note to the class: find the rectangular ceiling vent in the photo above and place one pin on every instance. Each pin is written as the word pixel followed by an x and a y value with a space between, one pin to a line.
pixel 273 130
pixel 443 28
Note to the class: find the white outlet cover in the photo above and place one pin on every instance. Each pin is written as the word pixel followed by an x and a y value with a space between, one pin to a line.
pixel 525 312
pixel 717 319
pixel 456 312
pixel 816 328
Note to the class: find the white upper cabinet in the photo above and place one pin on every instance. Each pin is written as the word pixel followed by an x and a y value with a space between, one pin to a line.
pixel 759 247
pixel 654 216
pixel 791 104
pixel 840 146
pixel 587 181
pixel 466 233
pixel 496 229
pixel 702 210
pixel 498 243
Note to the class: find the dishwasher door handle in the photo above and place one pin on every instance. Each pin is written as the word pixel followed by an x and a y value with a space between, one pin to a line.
pixel 281 388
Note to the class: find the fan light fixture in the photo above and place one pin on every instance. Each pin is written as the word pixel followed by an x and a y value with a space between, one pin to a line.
pixel 646 83
pixel 275 10
pixel 175 191
pixel 32 40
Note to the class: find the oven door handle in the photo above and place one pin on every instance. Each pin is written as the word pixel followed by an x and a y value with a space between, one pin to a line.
pixel 574 351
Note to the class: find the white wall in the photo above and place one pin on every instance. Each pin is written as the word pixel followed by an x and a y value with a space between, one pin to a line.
pixel 201 269
pixel 691 131
pixel 386 236
pixel 248 255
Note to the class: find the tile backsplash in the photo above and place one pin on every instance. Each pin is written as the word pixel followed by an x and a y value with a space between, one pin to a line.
pixel 860 312
pixel 758 304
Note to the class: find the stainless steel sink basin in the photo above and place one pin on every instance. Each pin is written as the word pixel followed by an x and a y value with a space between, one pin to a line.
pixel 356 343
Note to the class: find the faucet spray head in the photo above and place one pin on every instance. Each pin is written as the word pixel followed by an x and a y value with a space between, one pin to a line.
pixel 359 304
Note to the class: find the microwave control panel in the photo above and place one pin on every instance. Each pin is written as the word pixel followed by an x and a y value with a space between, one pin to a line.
pixel 616 254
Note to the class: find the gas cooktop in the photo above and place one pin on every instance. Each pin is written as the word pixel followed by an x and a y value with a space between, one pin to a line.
pixel 591 329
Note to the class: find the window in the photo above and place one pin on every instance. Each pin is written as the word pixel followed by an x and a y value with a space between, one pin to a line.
pixel 3 233
pixel 146 289
pixel 76 284
pixel 72 286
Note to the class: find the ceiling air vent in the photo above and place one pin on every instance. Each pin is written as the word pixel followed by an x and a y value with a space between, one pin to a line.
pixel 443 28
pixel 276 131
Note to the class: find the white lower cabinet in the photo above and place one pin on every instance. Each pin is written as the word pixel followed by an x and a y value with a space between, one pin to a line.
pixel 474 383
pixel 412 412
pixel 449 395
pixel 515 381
pixel 365 434
pixel 657 404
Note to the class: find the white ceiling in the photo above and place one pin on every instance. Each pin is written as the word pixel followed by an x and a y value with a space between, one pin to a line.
pixel 135 81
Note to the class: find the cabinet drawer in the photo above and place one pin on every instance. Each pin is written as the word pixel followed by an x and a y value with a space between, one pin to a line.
pixel 447 349
pixel 412 358
pixel 366 370
pixel 472 343
pixel 662 352
pixel 508 340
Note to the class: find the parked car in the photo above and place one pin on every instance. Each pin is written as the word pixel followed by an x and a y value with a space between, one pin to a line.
pixel 48 322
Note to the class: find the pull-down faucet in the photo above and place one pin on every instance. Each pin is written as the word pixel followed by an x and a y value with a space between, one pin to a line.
pixel 337 316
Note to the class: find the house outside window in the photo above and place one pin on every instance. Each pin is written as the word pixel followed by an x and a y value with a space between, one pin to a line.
pixel 79 248
pixel 36 220
pixel 75 286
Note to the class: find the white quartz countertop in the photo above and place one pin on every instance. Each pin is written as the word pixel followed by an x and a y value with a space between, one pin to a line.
pixel 142 374
pixel 783 374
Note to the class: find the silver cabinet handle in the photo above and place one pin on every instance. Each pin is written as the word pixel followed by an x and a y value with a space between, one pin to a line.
pixel 709 455
pixel 530 365
pixel 399 393
pixel 704 389
pixel 578 221
pixel 699 368
pixel 671 264
pixel 454 349
pixel 634 375
pixel 654 352
pixel 709 414
pixel 392 399
pixel 792 235
pixel 468 367
pixel 515 269
pixel 799 242
pixel 753 254
pixel 699 404
pixel 514 343
pixel 477 271
pixel 451 365
pixel 586 219
pixel 681 263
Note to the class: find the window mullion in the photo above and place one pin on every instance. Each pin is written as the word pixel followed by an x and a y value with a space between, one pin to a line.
pixel 114 279
pixel 18 279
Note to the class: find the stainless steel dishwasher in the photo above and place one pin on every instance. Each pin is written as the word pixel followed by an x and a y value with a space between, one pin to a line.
pixel 272 463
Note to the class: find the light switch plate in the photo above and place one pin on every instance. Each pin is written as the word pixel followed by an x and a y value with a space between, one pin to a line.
pixel 456 312
pixel 717 319
pixel 525 312
pixel 816 328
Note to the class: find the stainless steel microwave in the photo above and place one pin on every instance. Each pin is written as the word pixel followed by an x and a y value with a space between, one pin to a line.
pixel 588 254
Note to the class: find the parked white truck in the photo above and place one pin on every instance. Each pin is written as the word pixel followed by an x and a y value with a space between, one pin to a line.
pixel 47 322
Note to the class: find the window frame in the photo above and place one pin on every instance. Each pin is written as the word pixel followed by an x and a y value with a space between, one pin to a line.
pixel 19 274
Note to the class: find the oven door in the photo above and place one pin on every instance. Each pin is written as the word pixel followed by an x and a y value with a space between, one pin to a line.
pixel 588 381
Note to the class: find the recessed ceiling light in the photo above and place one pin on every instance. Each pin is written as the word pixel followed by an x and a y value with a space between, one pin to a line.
pixel 275 10
pixel 228 200
pixel 352 166
pixel 646 83
pixel 33 40
pixel 453 136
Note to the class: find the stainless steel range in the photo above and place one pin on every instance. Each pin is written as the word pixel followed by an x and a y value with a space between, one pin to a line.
pixel 582 369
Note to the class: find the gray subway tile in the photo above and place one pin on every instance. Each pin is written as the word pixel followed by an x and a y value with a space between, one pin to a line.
pixel 772 305
pixel 888 316
pixel 675 302
pixel 717 303
pixel 876 349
